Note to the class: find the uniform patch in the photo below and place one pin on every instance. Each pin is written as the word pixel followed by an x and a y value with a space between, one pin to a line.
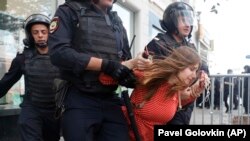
pixel 54 25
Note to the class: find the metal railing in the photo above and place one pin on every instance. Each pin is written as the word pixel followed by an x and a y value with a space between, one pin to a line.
pixel 224 88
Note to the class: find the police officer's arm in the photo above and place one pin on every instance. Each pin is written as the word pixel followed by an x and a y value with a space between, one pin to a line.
pixel 64 56
pixel 61 52
pixel 12 76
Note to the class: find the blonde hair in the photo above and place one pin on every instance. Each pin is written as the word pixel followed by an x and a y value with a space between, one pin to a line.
pixel 162 69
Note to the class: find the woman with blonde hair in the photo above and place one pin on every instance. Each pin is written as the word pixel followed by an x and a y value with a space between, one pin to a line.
pixel 159 90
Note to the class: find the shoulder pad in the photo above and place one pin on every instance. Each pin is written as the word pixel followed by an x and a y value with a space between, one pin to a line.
pixel 29 52
pixel 160 37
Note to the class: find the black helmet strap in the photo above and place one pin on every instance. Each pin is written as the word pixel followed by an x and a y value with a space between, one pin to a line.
pixel 41 44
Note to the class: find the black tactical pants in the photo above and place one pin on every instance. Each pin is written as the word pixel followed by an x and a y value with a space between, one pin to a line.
pixel 89 118
pixel 38 124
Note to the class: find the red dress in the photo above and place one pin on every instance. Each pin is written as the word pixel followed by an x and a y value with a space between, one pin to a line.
pixel 157 111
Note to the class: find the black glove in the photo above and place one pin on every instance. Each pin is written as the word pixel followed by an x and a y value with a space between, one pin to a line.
pixel 119 72
pixel 128 79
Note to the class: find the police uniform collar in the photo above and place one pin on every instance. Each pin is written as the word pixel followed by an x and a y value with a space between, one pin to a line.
pixel 98 10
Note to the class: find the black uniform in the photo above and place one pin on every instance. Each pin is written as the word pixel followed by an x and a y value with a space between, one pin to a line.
pixel 159 47
pixel 92 110
pixel 230 87
pixel 36 119
pixel 246 97
pixel 217 88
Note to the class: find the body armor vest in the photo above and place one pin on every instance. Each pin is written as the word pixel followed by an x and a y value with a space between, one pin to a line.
pixel 95 37
pixel 39 78
pixel 99 36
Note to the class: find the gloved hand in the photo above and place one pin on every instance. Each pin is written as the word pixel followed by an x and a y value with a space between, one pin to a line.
pixel 119 72
pixel 128 78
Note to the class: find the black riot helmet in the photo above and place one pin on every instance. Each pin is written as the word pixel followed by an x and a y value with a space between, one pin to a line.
pixel 96 1
pixel 88 0
pixel 29 22
pixel 172 14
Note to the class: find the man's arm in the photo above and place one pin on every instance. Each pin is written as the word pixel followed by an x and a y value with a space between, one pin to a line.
pixel 61 52
pixel 12 76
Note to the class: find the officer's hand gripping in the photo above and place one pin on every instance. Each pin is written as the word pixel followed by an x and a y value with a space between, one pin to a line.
pixel 121 73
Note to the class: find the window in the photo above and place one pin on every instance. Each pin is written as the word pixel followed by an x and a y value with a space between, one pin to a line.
pixel 154 24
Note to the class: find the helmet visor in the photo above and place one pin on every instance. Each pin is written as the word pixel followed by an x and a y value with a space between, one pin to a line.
pixel 184 18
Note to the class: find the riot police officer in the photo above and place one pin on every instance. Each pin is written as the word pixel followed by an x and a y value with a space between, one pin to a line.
pixel 177 21
pixel 86 39
pixel 36 119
